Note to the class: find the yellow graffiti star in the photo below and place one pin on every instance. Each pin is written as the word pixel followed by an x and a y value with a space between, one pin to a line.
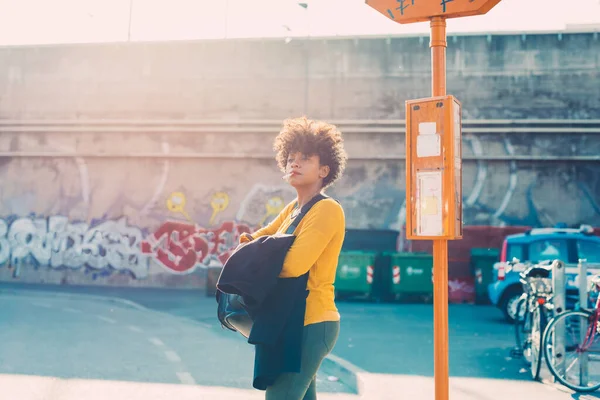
pixel 219 203
pixel 176 203
pixel 274 206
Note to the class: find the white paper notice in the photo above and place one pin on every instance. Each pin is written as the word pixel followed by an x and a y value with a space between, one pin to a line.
pixel 428 141
pixel 429 203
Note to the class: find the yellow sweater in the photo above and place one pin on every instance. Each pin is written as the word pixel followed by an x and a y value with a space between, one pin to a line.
pixel 319 238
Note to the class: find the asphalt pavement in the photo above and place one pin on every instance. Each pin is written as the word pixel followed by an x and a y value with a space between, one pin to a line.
pixel 88 339
pixel 379 338
pixel 125 336
pixel 68 334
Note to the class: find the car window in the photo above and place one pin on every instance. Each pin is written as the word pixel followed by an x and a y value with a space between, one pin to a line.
pixel 514 251
pixel 589 251
pixel 549 249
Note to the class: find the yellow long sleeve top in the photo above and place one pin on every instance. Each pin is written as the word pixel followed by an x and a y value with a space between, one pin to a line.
pixel 319 238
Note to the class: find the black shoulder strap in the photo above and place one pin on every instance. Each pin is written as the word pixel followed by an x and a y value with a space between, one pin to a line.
pixel 305 209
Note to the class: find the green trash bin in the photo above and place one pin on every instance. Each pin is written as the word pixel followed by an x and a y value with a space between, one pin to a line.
pixel 482 268
pixel 355 273
pixel 411 275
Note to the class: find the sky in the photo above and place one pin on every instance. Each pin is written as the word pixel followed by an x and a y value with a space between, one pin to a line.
pixel 31 22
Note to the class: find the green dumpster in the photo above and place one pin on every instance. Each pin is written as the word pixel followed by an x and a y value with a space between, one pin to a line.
pixel 354 275
pixel 411 274
pixel 482 268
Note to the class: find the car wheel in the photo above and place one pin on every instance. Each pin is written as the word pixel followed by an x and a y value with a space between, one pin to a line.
pixel 509 303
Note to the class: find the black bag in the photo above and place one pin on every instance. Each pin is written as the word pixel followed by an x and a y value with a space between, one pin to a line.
pixel 232 313
pixel 231 309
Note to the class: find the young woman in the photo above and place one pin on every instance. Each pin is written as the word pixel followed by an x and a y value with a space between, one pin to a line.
pixel 312 157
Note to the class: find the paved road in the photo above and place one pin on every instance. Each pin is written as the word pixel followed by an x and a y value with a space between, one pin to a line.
pixel 48 333
pixel 87 339
pixel 380 338
pixel 398 339
pixel 52 335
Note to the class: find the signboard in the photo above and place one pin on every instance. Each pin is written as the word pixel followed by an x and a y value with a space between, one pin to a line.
pixel 434 168
pixel 408 11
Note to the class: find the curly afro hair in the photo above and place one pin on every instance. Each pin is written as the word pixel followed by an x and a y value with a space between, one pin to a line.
pixel 302 135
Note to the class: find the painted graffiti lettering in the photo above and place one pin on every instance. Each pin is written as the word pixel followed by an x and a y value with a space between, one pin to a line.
pixel 56 242
pixel 181 247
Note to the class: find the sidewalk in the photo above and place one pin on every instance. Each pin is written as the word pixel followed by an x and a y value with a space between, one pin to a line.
pixel 373 387
pixel 393 387
pixel 22 387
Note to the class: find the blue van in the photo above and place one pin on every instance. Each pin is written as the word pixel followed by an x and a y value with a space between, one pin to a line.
pixel 536 245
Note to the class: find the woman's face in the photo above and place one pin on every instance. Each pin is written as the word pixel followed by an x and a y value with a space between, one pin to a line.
pixel 303 170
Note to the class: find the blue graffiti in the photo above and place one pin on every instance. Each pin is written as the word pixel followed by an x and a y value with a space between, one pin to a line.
pixel 56 242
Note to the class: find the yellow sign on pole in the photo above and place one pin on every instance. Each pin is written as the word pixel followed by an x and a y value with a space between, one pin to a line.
pixel 434 170
pixel 434 159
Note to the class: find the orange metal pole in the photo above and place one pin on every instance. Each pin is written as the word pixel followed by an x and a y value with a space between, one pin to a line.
pixel 438 46
pixel 440 247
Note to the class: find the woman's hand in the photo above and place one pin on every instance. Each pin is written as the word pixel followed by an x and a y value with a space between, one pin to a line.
pixel 246 237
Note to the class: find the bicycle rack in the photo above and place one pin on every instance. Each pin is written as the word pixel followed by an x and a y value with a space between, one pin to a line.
pixel 583 303
pixel 559 301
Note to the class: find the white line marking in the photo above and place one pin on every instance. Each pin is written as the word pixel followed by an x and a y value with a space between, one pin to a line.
pixel 134 328
pixel 72 310
pixel 186 378
pixel 172 356
pixel 156 341
pixel 106 319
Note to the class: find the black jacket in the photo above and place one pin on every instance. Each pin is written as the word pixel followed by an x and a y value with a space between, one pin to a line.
pixel 253 269
pixel 276 305
pixel 277 331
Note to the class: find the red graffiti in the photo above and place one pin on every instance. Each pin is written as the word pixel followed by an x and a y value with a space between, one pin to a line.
pixel 461 290
pixel 181 246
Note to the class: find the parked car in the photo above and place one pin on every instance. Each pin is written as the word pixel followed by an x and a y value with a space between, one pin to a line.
pixel 538 245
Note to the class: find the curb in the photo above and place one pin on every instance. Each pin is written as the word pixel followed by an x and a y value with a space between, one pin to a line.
pixel 558 387
pixel 345 371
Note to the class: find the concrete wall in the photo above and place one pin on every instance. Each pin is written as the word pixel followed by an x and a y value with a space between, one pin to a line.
pixel 153 209
pixel 496 76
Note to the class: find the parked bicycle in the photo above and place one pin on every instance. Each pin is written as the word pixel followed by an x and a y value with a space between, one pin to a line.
pixel 575 360
pixel 533 311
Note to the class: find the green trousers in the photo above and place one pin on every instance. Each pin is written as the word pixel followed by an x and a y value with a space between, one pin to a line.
pixel 317 342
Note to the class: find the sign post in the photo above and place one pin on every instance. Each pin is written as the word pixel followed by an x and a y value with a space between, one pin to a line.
pixel 434 158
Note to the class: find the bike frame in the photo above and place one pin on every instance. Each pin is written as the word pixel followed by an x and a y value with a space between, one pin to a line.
pixel 594 319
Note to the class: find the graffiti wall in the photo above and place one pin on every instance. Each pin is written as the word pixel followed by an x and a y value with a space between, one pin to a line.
pixel 57 242
pixel 164 220
pixel 104 221
pixel 156 208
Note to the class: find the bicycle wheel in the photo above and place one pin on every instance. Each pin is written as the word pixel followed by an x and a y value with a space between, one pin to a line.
pixel 522 326
pixel 574 362
pixel 538 325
